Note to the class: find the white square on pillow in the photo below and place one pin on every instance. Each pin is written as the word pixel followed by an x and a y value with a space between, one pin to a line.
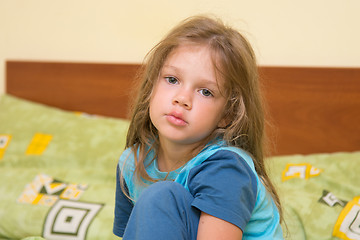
pixel 69 220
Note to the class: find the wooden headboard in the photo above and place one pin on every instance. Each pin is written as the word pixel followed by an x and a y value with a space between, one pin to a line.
pixel 310 110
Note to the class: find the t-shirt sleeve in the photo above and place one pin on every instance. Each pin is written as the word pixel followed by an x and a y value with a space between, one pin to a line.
pixel 123 207
pixel 225 187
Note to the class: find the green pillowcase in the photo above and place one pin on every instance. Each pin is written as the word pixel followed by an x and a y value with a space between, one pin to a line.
pixel 320 194
pixel 50 156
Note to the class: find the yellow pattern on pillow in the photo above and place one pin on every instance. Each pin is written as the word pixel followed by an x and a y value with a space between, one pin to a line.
pixel 348 224
pixel 4 143
pixel 45 190
pixel 38 144
pixel 302 170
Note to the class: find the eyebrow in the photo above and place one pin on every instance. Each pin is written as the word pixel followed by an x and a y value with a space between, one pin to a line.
pixel 169 66
pixel 203 80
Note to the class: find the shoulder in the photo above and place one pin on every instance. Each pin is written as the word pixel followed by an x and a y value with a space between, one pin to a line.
pixel 226 164
pixel 230 155
pixel 215 157
pixel 126 162
pixel 224 177
pixel 125 154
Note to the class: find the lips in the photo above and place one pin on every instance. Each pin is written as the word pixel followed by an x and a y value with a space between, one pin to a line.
pixel 176 119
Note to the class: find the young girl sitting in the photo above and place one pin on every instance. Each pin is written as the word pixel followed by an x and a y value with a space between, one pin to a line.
pixel 194 167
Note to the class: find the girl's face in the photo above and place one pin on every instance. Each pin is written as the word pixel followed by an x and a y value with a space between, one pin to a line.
pixel 186 105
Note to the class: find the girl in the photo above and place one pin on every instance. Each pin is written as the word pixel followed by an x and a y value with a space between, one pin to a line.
pixel 193 167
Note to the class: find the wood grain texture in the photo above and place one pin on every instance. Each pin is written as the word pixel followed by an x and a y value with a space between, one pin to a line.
pixel 313 109
pixel 102 89
pixel 310 110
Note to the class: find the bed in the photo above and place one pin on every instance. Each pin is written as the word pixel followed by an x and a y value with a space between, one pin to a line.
pixel 63 127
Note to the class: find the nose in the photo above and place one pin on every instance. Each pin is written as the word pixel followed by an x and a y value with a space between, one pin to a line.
pixel 184 99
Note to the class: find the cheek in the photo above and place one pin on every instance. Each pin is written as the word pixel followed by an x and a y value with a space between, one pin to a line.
pixel 159 91
pixel 154 96
pixel 220 116
pixel 152 104
pixel 214 114
pixel 152 107
pixel 156 105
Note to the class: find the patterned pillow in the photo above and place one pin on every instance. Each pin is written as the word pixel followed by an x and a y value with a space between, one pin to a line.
pixel 57 171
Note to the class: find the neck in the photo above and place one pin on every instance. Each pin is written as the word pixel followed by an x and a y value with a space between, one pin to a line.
pixel 172 156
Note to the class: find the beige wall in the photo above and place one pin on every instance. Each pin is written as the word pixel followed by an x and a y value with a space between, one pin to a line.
pixel 283 32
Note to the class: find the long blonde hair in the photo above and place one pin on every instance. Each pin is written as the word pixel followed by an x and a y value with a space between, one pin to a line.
pixel 235 62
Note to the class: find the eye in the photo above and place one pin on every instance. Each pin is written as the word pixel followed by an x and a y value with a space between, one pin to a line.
pixel 206 92
pixel 171 80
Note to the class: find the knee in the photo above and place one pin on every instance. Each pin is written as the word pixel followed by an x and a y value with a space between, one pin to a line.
pixel 163 192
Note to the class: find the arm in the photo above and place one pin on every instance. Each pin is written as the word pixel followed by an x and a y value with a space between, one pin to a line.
pixel 123 208
pixel 215 228
pixel 225 190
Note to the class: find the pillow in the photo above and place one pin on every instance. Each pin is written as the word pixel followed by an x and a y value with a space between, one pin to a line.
pixel 57 171
pixel 319 193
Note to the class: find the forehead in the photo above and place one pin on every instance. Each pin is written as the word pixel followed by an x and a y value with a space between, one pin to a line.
pixel 188 51
pixel 194 57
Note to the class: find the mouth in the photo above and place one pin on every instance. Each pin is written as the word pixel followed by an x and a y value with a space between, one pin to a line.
pixel 176 119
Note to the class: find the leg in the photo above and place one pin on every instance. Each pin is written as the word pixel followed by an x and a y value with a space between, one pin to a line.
pixel 163 212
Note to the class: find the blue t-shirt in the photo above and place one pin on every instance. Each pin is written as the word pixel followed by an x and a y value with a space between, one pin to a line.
pixel 223 182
